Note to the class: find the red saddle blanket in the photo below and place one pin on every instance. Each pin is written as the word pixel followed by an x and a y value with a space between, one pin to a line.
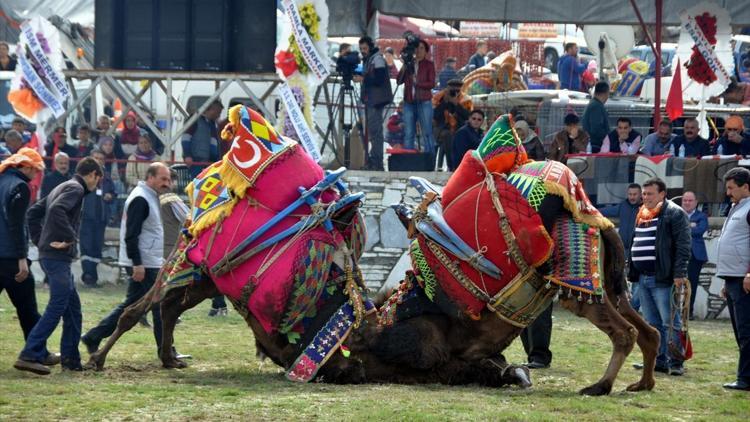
pixel 468 208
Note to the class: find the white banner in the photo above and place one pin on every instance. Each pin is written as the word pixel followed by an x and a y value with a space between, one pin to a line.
pixel 705 48
pixel 57 80
pixel 318 64
pixel 294 112
pixel 36 83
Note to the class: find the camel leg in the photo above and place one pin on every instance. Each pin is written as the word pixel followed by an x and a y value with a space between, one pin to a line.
pixel 622 334
pixel 129 318
pixel 648 342
pixel 172 306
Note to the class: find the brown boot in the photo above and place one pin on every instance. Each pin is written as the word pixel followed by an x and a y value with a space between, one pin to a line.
pixel 35 367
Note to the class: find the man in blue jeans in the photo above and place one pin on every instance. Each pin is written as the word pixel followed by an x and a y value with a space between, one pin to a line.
pixel 53 225
pixel 659 259
pixel 418 78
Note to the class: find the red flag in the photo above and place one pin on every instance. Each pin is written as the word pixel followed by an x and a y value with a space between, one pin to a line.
pixel 674 99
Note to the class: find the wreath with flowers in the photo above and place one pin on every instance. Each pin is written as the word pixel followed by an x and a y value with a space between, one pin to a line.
pixel 697 67
pixel 291 66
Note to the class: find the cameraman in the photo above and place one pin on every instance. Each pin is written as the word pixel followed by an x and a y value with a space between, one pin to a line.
pixel 376 94
pixel 452 108
pixel 418 77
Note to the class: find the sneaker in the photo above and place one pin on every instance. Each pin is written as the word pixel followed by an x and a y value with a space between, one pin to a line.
pixel 214 312
pixel 677 371
pixel 52 359
pixel 30 366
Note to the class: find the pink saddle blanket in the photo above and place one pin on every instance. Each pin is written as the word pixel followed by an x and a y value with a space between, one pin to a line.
pixel 272 270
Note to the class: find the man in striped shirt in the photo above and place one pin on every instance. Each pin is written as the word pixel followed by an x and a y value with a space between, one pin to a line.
pixel 659 259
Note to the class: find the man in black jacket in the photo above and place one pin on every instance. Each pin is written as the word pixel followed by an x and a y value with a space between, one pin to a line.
pixel 467 138
pixel 376 94
pixel 15 278
pixel 57 176
pixel 659 257
pixel 53 225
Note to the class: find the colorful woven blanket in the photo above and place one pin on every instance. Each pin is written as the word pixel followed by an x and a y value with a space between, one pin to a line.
pixel 536 179
pixel 577 257
pixel 468 208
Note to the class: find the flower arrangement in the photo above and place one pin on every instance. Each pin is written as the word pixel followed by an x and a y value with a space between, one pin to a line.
pixel 311 21
pixel 697 68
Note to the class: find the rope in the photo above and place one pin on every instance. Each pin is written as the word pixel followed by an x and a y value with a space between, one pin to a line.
pixel 679 299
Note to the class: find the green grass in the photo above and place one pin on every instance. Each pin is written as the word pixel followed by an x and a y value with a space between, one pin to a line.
pixel 225 380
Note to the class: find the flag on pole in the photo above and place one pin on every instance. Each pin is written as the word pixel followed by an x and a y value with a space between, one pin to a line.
pixel 674 99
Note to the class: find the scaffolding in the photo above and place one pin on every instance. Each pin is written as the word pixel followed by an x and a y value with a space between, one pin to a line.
pixel 118 83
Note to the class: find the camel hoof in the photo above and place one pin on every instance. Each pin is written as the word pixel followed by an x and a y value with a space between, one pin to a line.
pixel 95 363
pixel 523 377
pixel 641 386
pixel 598 389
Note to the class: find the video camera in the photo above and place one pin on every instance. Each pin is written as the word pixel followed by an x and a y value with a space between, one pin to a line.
pixel 346 64
pixel 407 53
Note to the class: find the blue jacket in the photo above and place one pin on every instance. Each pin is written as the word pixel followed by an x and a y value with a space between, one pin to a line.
pixel 626 212
pixel 696 232
pixel 569 71
pixel 728 148
pixel 595 122
pixel 95 208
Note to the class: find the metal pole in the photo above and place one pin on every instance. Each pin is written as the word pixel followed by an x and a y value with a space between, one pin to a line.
pixel 657 73
pixel 169 113
pixel 126 96
pixel 644 27
pixel 200 111
pixel 75 104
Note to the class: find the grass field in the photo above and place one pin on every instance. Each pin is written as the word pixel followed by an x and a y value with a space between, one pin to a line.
pixel 226 381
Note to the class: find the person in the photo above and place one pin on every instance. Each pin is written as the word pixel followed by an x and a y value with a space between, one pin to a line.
pixel 57 176
pixel 570 140
pixel 624 139
pixel 200 143
pixel 659 253
pixel 59 144
pixel 96 215
pixel 395 127
pixel 29 139
pixel 477 59
pixel 451 109
pixel 85 143
pixel 53 227
pixel 127 137
pixel 13 141
pixel 390 60
pixel 735 140
pixel 733 267
pixel 737 93
pixel 626 212
pixel 174 212
pixel 103 124
pixel 595 119
pixel 490 56
pixel 536 339
pixel 531 143
pixel 659 142
pixel 447 73
pixel 698 256
pixel 16 172
pixel 570 68
pixel 141 251
pixel 7 62
pixel 468 137
pixel 140 160
pixel 418 78
pixel 376 94
pixel 694 145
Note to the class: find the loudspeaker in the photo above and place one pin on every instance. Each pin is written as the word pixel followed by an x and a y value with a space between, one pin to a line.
pixel 173 40
pixel 139 25
pixel 411 161
pixel 210 35
pixel 107 34
pixel 253 35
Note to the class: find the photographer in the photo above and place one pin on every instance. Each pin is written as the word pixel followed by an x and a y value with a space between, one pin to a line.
pixel 376 94
pixel 418 77
pixel 452 108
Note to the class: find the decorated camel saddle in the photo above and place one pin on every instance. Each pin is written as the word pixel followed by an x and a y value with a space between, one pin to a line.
pixel 463 258
pixel 279 236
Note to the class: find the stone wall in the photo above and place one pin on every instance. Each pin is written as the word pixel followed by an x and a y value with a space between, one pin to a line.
pixel 386 236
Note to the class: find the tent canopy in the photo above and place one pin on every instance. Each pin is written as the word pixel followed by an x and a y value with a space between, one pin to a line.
pixel 348 17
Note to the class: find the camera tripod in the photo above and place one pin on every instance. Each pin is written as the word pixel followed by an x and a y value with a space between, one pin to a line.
pixel 345 117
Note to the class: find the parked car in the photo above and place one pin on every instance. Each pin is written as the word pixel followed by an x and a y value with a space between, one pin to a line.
pixel 644 53
pixel 742 57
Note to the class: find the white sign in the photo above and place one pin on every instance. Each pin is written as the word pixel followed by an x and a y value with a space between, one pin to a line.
pixel 318 64
pixel 36 83
pixel 705 48
pixel 294 113
pixel 58 82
